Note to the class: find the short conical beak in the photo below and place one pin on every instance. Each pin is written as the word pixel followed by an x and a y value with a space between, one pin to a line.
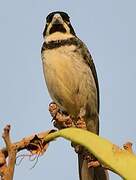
pixel 57 19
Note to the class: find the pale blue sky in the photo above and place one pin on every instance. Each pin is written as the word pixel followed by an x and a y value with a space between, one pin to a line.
pixel 108 28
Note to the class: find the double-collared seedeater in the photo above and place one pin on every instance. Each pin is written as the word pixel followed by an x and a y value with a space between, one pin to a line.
pixel 71 78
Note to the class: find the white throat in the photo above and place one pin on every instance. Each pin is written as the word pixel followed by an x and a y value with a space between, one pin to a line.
pixel 58 36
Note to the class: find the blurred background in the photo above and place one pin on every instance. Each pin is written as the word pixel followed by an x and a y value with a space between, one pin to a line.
pixel 108 28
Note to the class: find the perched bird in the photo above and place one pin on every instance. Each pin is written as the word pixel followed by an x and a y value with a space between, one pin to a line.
pixel 71 79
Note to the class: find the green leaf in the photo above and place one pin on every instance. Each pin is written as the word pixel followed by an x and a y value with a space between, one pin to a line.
pixel 119 160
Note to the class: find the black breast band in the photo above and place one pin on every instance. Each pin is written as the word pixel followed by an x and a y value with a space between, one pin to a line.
pixel 59 43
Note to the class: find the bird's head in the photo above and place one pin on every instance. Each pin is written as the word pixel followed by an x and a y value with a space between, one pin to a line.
pixel 58 22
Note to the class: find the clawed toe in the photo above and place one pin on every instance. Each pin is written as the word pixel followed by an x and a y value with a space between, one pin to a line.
pixel 81 124
pixel 60 120
pixel 53 109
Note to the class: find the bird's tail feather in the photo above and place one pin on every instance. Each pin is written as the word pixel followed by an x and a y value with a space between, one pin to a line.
pixel 93 173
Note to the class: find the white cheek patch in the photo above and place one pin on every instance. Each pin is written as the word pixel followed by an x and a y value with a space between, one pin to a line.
pixel 66 27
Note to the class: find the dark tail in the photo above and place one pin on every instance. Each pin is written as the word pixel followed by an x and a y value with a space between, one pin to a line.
pixel 93 173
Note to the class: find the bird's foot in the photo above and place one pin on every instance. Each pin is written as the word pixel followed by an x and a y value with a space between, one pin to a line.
pixel 53 109
pixel 81 123
pixel 60 119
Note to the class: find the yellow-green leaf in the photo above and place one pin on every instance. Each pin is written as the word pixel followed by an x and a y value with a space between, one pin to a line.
pixel 119 160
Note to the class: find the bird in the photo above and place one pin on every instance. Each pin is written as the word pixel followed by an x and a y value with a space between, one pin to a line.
pixel 71 79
